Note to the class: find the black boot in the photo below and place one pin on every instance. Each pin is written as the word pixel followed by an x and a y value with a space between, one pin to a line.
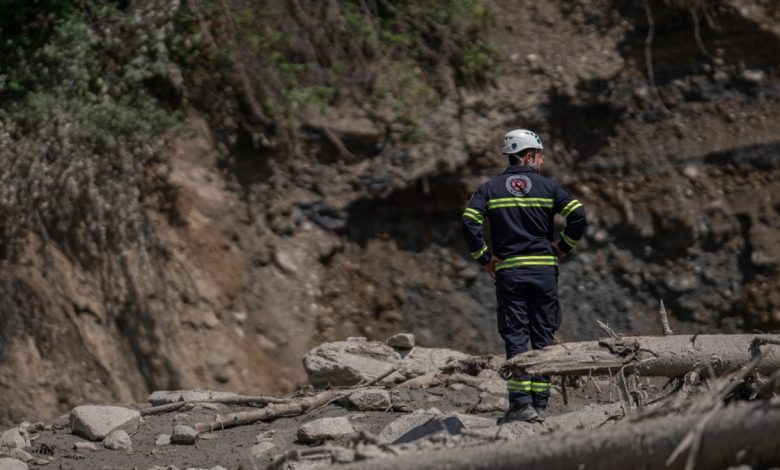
pixel 525 413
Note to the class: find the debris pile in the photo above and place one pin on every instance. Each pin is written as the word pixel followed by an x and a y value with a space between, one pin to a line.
pixel 622 401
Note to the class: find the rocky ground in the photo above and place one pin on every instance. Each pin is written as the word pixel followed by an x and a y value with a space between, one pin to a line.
pixel 396 414
pixel 370 403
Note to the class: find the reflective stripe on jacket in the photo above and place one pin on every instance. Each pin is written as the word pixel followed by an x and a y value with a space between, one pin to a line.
pixel 520 206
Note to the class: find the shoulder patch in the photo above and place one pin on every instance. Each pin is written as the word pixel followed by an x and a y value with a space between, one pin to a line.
pixel 518 185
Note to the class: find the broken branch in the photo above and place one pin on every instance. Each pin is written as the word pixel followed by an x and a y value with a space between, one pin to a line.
pixel 668 356
pixel 272 411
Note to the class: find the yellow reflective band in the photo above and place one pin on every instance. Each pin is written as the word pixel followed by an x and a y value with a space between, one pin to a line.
pixel 570 203
pixel 518 386
pixel 571 207
pixel 478 254
pixel 529 260
pixel 510 199
pixel 473 217
pixel 518 265
pixel 568 240
pixel 473 211
pixel 505 202
pixel 540 387
pixel 523 205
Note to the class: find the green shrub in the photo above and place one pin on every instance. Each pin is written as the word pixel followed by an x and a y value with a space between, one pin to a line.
pixel 81 129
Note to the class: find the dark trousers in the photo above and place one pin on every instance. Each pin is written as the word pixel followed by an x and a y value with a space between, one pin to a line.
pixel 527 309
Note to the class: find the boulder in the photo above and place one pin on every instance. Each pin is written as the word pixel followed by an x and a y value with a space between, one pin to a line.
pixel 471 422
pixel 404 424
pixel 494 387
pixel 346 363
pixel 7 463
pixel 421 425
pixel 401 341
pixel 162 440
pixel 117 440
pixel 371 399
pixel 97 422
pixel 183 435
pixel 489 403
pixel 431 359
pixel 262 450
pixel 84 445
pixel 421 361
pixel 14 438
pixel 324 428
pixel 19 454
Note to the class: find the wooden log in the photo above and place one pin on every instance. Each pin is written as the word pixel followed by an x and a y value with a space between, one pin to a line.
pixel 668 356
pixel 233 400
pixel 742 433
pixel 272 411
pixel 160 409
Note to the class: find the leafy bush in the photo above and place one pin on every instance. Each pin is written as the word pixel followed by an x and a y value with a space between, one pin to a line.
pixel 91 87
pixel 379 54
pixel 81 129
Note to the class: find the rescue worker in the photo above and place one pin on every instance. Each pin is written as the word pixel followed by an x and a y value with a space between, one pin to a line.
pixel 520 205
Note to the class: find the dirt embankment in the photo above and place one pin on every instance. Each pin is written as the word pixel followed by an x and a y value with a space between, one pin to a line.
pixel 268 254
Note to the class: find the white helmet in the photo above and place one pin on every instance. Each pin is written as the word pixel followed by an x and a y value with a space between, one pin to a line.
pixel 520 139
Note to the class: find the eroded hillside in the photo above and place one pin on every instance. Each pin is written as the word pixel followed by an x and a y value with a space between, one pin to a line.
pixel 334 210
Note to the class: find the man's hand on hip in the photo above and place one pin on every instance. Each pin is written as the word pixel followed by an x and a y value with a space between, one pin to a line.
pixel 490 267
pixel 557 250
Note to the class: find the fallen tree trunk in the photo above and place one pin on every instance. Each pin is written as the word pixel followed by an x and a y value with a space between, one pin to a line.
pixel 273 411
pixel 742 434
pixel 669 356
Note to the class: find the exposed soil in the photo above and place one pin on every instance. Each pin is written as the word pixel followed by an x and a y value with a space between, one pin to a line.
pixel 268 255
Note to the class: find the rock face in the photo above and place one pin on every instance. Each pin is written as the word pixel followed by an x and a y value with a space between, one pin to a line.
pixel 117 440
pixel 401 341
pixel 97 422
pixel 372 399
pixel 7 463
pixel 324 428
pixel 345 363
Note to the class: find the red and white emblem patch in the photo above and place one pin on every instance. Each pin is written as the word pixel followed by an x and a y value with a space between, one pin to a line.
pixel 518 185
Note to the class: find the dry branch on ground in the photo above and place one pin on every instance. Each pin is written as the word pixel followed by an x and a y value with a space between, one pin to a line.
pixel 272 411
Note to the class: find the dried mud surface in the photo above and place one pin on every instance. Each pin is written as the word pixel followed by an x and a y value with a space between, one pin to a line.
pixel 229 447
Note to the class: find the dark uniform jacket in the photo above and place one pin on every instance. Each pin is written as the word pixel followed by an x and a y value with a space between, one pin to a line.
pixel 520 205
